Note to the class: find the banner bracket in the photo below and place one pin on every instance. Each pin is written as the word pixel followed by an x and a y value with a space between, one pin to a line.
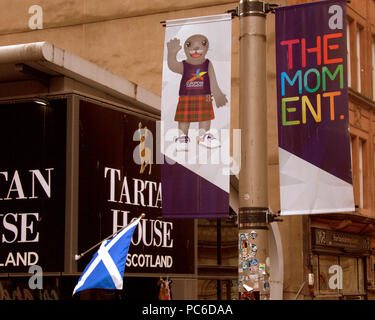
pixel 255 8
pixel 256 217
pixel 234 12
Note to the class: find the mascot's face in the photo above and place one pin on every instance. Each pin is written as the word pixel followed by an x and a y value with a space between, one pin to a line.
pixel 195 48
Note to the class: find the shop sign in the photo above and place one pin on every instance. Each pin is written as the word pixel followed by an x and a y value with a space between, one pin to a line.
pixel 329 238
pixel 32 186
pixel 119 179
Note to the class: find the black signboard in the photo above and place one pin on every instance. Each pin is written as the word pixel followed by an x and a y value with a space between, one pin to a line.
pixel 119 180
pixel 335 239
pixel 32 186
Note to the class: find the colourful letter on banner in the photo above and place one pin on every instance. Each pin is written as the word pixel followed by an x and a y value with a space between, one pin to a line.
pixel 316 115
pixel 326 72
pixel 297 76
pixel 285 109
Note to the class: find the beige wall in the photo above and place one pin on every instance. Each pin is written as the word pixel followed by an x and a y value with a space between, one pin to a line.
pixel 60 13
pixel 124 37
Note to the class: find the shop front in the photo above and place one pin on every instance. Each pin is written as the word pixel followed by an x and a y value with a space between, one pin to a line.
pixel 79 161
pixel 119 179
pixel 339 262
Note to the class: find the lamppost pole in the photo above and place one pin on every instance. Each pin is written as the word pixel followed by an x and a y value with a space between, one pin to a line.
pixel 254 214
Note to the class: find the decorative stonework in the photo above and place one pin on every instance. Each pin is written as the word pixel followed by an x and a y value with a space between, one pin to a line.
pixel 357 116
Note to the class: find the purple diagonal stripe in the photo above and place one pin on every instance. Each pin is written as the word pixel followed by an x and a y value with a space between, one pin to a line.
pixel 188 195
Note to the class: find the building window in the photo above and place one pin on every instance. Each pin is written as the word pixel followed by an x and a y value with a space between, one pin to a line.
pixel 348 53
pixel 217 259
pixel 351 150
pixel 358 54
pixel 373 66
pixel 358 148
pixel 360 172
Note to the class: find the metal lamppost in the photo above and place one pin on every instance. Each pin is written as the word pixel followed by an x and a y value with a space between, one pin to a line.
pixel 254 216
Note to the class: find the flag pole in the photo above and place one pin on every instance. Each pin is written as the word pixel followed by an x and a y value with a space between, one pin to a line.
pixel 79 256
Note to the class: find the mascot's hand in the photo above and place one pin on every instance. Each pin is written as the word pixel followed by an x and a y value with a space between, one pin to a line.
pixel 220 99
pixel 174 45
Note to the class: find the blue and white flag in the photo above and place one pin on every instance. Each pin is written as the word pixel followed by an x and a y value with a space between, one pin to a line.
pixel 106 268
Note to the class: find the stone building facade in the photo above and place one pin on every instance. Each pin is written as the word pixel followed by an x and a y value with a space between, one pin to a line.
pixel 126 38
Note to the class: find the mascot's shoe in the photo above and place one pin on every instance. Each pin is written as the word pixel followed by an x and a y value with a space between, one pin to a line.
pixel 209 141
pixel 182 143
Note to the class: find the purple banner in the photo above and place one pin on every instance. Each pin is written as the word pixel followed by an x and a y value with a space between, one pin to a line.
pixel 312 99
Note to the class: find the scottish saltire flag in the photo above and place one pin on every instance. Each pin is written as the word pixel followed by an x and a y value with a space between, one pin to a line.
pixel 106 268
